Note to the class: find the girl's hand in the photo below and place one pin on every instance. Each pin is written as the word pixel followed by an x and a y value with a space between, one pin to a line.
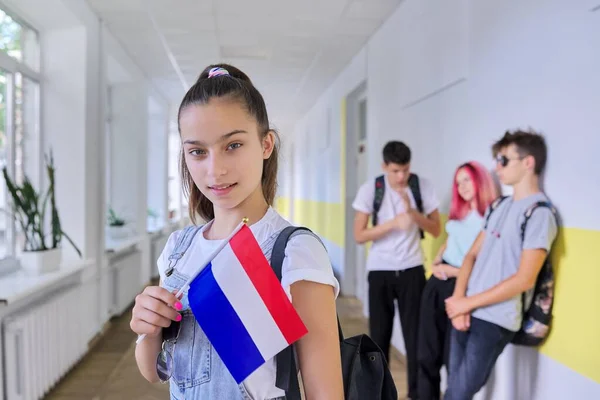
pixel 154 309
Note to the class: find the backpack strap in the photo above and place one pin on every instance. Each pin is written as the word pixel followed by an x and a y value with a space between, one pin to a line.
pixel 528 214
pixel 413 184
pixel 287 370
pixel 378 198
pixel 184 240
pixel 493 206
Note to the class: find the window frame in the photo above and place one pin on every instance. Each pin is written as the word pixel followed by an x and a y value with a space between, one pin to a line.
pixel 11 67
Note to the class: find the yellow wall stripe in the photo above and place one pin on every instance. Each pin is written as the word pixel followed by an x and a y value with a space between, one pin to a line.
pixel 576 328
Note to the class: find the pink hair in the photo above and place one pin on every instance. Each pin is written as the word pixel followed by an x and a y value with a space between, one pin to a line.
pixel 485 191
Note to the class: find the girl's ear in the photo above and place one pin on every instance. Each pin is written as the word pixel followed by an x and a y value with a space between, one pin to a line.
pixel 268 144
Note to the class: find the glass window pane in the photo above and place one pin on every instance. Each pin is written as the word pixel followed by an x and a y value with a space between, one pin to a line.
pixel 19 41
pixel 175 195
pixel 27 121
pixel 18 143
pixel 10 36
pixel 31 48
pixel 4 219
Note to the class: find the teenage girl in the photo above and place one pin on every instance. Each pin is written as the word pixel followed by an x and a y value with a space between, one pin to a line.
pixel 473 190
pixel 229 171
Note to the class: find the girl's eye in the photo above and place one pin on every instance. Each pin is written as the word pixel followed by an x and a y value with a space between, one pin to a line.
pixel 234 146
pixel 197 152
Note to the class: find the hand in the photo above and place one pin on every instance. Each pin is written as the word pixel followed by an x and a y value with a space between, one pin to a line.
pixel 154 309
pixel 456 306
pixel 462 322
pixel 403 221
pixel 450 271
pixel 437 260
pixel 439 272
pixel 405 199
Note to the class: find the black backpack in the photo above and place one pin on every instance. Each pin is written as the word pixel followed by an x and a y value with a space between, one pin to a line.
pixel 538 316
pixel 413 184
pixel 364 368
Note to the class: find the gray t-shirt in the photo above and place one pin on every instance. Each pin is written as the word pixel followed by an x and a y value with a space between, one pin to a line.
pixel 500 255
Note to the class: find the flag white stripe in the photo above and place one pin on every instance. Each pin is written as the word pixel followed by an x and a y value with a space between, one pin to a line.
pixel 247 303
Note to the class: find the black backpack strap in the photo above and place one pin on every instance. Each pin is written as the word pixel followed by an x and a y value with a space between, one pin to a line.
pixel 493 206
pixel 415 188
pixel 287 370
pixel 528 214
pixel 378 198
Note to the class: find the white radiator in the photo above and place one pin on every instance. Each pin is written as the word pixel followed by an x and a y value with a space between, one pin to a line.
pixel 42 343
pixel 157 245
pixel 125 280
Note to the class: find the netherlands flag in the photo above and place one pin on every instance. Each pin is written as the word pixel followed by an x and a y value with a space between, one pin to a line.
pixel 242 308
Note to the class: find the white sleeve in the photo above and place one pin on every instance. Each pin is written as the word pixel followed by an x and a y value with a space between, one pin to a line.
pixel 430 199
pixel 163 260
pixel 363 201
pixel 307 259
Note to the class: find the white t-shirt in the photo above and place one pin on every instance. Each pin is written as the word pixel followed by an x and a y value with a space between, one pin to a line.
pixel 398 250
pixel 305 259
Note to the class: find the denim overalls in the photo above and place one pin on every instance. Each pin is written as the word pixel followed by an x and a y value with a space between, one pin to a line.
pixel 198 372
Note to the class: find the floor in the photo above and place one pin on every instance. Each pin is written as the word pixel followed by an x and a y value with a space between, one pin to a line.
pixel 109 372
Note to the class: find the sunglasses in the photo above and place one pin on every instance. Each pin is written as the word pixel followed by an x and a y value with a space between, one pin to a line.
pixel 164 361
pixel 503 160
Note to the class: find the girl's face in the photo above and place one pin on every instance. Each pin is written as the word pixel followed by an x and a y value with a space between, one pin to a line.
pixel 224 152
pixel 465 186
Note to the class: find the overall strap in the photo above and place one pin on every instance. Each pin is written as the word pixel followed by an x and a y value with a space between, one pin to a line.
pixel 184 240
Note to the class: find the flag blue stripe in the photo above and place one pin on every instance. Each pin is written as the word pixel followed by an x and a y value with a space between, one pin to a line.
pixel 222 326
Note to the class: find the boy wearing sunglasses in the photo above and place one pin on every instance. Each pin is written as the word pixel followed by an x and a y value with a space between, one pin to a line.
pixel 486 308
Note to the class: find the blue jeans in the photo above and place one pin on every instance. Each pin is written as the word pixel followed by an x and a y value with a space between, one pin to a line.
pixel 472 357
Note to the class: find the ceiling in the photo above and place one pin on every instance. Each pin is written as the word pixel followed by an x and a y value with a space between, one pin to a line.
pixel 292 50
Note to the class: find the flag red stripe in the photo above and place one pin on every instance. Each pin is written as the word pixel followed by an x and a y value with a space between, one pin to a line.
pixel 262 276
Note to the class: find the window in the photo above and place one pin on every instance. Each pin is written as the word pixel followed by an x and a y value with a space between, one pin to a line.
pixel 175 193
pixel 4 114
pixel 20 149
pixel 19 41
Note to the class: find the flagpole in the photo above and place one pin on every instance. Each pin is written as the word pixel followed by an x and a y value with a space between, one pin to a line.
pixel 208 261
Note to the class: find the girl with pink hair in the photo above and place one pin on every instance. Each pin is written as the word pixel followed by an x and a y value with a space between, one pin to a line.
pixel 473 190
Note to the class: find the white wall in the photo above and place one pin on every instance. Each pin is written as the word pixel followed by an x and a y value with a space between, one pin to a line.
pixel 448 78
pixel 157 163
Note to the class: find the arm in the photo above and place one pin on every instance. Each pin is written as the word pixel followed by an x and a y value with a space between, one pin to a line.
pixel 319 350
pixel 363 234
pixel 440 253
pixel 429 223
pixel 462 322
pixel 465 270
pixel 154 309
pixel 145 356
pixel 530 265
pixel 443 271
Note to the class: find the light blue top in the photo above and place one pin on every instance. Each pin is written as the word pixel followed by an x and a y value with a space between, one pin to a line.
pixel 461 236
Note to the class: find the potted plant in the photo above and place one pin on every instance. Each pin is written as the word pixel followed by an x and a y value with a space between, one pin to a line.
pixel 28 206
pixel 116 225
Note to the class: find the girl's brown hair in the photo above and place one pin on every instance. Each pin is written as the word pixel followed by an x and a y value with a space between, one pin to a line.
pixel 236 86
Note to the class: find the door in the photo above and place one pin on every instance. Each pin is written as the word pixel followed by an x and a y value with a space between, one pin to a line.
pixel 361 177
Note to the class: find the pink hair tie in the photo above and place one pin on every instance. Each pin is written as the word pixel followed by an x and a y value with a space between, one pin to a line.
pixel 217 71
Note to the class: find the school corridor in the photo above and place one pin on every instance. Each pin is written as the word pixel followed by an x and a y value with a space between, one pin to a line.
pixel 90 152
pixel 108 371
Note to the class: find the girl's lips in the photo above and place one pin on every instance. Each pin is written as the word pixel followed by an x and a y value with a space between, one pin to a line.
pixel 222 190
